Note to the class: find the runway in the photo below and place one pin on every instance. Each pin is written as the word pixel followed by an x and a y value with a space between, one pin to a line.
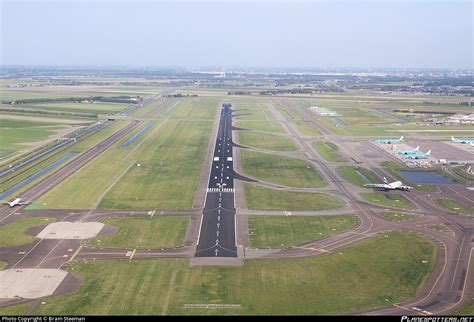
pixel 217 231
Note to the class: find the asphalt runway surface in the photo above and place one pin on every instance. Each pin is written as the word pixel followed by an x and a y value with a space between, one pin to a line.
pixel 217 231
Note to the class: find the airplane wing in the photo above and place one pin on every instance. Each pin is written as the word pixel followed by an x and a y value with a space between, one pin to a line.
pixel 376 185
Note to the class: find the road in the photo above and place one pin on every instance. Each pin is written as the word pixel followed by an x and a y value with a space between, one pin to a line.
pixel 217 231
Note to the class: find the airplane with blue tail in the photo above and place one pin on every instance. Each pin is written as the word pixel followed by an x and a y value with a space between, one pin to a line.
pixel 413 151
pixel 462 140
pixel 417 155
pixel 389 141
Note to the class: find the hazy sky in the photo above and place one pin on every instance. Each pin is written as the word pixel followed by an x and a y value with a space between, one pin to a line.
pixel 253 34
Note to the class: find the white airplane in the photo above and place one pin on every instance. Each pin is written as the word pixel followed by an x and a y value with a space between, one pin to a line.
pixel 16 202
pixel 388 141
pixel 417 155
pixel 461 140
pixel 415 150
pixel 397 185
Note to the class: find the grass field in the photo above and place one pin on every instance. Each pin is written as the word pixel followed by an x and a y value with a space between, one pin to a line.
pixel 13 234
pixel 20 309
pixel 281 170
pixel 468 310
pixel 170 165
pixel 350 174
pixel 92 108
pixel 259 198
pixel 302 127
pixel 328 151
pixel 266 141
pixel 462 171
pixel 285 231
pixel 378 272
pixel 79 147
pixel 255 116
pixel 397 216
pixel 140 233
pixel 16 135
pixel 84 188
pixel 2 266
pixel 386 199
pixel 456 206
pixel 170 161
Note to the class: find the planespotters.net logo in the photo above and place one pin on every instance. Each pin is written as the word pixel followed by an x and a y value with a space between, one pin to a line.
pixel 437 319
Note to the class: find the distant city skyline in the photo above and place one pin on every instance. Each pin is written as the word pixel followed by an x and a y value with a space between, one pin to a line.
pixel 265 34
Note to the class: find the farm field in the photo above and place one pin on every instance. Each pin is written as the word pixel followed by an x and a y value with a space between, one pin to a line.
pixel 17 134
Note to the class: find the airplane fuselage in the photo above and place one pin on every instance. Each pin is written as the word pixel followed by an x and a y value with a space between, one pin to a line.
pixel 15 202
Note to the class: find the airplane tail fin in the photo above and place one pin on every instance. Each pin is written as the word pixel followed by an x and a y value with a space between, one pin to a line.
pixel 384 180
pixel 417 148
pixel 452 139
pixel 401 138
pixel 429 152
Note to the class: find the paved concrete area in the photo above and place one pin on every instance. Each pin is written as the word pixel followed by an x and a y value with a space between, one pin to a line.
pixel 216 261
pixel 71 230
pixel 445 150
pixel 29 283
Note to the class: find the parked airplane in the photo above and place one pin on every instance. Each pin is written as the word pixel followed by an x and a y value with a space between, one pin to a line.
pixel 417 155
pixel 415 150
pixel 388 141
pixel 16 202
pixel 397 185
pixel 461 140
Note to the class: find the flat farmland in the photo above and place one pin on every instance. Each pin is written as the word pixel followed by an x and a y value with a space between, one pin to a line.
pixel 19 134
pixel 92 108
